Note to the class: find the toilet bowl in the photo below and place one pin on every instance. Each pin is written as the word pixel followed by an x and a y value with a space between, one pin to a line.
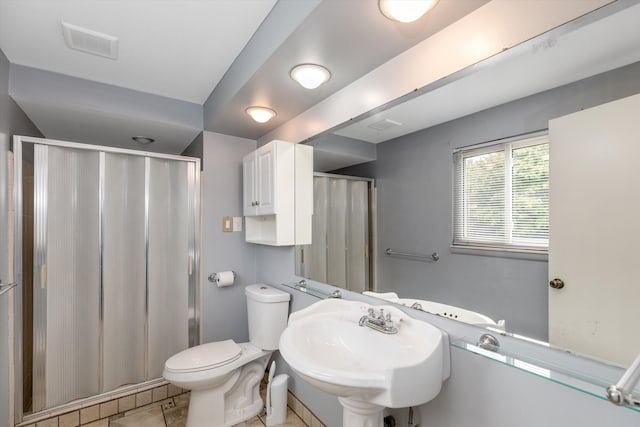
pixel 224 376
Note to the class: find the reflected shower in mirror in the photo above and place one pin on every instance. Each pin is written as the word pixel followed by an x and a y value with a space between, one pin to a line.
pixel 341 237
pixel 517 92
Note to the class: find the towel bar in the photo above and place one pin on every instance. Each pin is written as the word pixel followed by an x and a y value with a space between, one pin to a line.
pixel 433 257
pixel 5 288
pixel 621 393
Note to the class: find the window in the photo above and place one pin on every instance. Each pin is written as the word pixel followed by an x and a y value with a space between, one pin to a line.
pixel 501 195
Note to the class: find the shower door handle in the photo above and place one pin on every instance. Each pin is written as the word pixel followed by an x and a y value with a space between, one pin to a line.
pixel 43 276
pixel 190 265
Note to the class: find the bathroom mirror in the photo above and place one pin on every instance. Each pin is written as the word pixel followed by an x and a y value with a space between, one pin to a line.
pixel 585 63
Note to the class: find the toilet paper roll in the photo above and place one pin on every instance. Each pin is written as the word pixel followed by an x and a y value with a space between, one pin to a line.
pixel 225 278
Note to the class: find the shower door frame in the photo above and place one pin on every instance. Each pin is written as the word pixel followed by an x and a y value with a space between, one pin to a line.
pixel 194 292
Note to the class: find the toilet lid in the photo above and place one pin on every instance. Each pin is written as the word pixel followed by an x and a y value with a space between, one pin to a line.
pixel 205 356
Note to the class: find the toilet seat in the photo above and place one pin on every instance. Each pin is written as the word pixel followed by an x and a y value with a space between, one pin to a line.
pixel 204 357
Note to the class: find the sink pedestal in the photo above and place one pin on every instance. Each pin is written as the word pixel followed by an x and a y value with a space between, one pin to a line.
pixel 360 414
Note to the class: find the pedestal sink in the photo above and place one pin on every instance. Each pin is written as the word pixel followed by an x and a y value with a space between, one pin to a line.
pixel 402 362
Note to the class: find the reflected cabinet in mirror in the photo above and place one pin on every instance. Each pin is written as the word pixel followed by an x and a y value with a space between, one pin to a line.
pixel 515 225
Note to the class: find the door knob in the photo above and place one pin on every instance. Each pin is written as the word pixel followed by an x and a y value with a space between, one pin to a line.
pixel 556 283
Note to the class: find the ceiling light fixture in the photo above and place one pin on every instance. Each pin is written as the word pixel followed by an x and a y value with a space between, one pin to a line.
pixel 405 10
pixel 310 76
pixel 260 114
pixel 144 140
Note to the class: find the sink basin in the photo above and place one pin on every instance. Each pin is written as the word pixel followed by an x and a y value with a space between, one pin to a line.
pixel 325 344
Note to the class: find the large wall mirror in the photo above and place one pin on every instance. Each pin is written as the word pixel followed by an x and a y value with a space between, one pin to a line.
pixel 408 149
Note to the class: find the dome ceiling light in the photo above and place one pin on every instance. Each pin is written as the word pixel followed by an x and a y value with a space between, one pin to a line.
pixel 310 76
pixel 261 114
pixel 405 10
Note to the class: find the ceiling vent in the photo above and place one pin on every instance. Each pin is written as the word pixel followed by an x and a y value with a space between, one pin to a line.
pixel 90 41
pixel 384 124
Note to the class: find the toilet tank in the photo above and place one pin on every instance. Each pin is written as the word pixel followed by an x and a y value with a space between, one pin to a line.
pixel 267 309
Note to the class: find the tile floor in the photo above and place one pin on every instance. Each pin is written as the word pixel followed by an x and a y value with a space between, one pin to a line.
pixel 172 412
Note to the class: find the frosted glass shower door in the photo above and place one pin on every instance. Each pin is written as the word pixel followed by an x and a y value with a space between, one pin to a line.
pixel 115 268
pixel 123 273
pixel 67 275
pixel 338 254
pixel 169 262
pixel 357 236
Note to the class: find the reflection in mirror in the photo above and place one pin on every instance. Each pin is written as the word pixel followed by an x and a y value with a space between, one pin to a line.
pixel 590 62
pixel 341 237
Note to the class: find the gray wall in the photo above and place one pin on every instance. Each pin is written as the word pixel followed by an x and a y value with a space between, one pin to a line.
pixel 480 392
pixel 414 178
pixel 483 393
pixel 13 121
pixel 196 149
pixel 5 134
pixel 224 313
pixel 274 266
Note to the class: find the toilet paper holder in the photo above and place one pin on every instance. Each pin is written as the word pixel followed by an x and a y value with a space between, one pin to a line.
pixel 215 277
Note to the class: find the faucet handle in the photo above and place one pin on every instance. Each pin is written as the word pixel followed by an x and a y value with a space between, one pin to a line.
pixel 381 314
pixel 371 312
pixel 388 318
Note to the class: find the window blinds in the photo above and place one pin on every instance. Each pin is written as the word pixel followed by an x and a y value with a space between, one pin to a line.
pixel 501 195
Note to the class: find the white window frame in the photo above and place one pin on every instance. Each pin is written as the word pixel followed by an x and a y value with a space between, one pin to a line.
pixel 511 244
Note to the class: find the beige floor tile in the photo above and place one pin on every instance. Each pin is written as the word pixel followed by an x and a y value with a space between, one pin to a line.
pixel 253 422
pixel 173 390
pixel 149 417
pixel 292 420
pixel 108 408
pixel 176 417
pixel 72 419
pixel 126 403
pixel 306 416
pixel 51 422
pixel 145 408
pixel 89 414
pixel 181 400
pixel 143 398
pixel 159 393
pixel 99 423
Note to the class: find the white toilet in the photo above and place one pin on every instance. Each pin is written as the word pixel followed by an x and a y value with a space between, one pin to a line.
pixel 224 377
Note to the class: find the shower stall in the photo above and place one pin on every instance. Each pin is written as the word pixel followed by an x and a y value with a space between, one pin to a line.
pixel 107 268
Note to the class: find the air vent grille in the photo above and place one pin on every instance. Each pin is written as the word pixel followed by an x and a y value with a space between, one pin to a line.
pixel 90 41
pixel 384 124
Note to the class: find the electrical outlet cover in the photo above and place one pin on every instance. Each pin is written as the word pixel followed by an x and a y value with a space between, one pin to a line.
pixel 237 223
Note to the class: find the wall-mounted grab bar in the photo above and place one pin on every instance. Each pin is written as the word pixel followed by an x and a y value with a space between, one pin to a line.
pixel 5 288
pixel 433 257
pixel 621 393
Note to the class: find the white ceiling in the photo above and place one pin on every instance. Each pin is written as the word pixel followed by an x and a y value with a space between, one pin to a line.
pixel 549 61
pixel 220 55
pixel 216 56
pixel 175 48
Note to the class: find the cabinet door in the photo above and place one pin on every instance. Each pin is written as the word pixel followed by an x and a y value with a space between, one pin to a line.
pixel 266 158
pixel 594 229
pixel 249 189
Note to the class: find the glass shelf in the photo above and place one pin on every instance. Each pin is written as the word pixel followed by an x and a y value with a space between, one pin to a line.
pixel 314 292
pixel 585 383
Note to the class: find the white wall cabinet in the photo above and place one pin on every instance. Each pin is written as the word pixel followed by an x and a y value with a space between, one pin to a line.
pixel 278 194
pixel 259 179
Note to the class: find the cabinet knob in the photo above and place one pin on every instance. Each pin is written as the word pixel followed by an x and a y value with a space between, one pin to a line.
pixel 556 283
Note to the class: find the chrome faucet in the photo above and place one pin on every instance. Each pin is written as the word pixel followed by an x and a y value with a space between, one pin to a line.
pixel 379 322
